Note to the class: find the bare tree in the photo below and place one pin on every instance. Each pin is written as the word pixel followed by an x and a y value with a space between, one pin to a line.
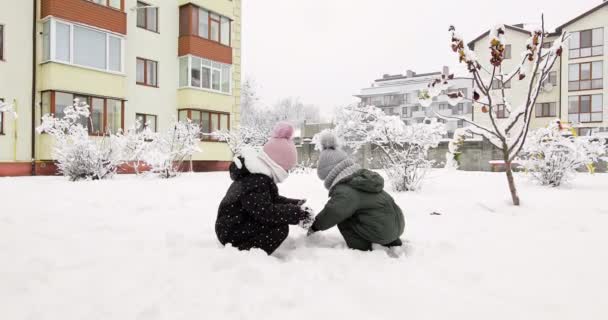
pixel 508 136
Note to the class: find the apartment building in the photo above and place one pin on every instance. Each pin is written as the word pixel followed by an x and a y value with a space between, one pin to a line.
pixel 576 91
pixel 153 60
pixel 398 95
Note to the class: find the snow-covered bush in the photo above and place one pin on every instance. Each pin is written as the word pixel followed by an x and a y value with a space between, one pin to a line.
pixel 303 168
pixel 135 143
pixel 78 156
pixel 242 137
pixel 552 158
pixel 165 152
pixel 535 66
pixel 452 157
pixel 404 148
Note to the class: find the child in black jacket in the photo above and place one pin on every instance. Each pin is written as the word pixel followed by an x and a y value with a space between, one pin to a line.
pixel 253 214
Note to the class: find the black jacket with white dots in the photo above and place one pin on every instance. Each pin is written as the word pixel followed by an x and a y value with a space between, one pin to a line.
pixel 253 207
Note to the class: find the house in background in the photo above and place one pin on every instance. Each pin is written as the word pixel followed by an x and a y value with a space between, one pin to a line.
pixel 576 91
pixel 398 95
pixel 155 61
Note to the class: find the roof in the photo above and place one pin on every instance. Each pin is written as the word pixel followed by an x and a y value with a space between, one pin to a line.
pixel 510 27
pixel 592 10
pixel 401 76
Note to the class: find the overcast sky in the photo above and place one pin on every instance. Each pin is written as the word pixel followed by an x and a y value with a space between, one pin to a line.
pixel 325 51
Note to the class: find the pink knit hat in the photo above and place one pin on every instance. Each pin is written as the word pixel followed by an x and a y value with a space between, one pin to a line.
pixel 280 148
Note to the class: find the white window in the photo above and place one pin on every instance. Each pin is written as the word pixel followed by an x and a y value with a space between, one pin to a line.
pixel 82 46
pixel 62 45
pixel 201 73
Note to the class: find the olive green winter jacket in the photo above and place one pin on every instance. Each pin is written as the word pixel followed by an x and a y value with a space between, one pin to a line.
pixel 360 201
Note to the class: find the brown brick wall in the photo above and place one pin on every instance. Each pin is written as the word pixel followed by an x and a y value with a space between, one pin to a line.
pixel 86 12
pixel 204 48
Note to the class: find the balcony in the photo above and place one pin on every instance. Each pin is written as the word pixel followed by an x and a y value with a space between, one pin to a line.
pixel 419 114
pixel 191 42
pixel 86 12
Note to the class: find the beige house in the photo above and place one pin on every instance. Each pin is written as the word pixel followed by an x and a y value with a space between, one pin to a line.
pixel 576 91
pixel 152 60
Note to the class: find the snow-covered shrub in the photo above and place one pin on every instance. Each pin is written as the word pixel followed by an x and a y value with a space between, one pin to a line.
pixel 242 137
pixel 404 148
pixel 78 156
pixel 452 157
pixel 165 152
pixel 552 158
pixel 303 168
pixel 134 143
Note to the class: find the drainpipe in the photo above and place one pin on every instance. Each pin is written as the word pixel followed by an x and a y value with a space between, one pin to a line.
pixel 34 54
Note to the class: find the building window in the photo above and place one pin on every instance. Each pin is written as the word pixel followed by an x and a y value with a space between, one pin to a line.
pixel 147 72
pixel 1 42
pixel 496 84
pixel 547 44
pixel 460 124
pixel 585 108
pixel 201 73
pixel 586 76
pixel 545 109
pixel 1 118
pixel 116 4
pixel 146 121
pixel 459 109
pixel 443 106
pixel 209 121
pixel 587 43
pixel 507 52
pixel 551 79
pixel 205 24
pixel 501 111
pixel 83 46
pixel 107 114
pixel 147 16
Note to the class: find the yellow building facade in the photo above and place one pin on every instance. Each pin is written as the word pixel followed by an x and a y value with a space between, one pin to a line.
pixel 577 89
pixel 156 61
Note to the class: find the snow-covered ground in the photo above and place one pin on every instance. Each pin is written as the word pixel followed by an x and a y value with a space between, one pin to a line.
pixel 140 248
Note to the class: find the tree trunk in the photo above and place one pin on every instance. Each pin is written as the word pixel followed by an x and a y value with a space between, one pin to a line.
pixel 511 181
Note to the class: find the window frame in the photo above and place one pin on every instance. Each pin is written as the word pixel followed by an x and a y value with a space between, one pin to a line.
pixel 205 136
pixel 146 74
pixel 3 42
pixel 144 124
pixel 211 67
pixel 145 26
pixel 53 52
pixel 497 84
pixel 502 112
pixel 579 48
pixel 122 5
pixel 194 20
pixel 2 120
pixel 591 112
pixel 508 55
pixel 52 106
pixel 591 79
pixel 552 110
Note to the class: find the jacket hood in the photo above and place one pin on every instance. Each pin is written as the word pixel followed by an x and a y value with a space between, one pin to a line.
pixel 238 170
pixel 366 181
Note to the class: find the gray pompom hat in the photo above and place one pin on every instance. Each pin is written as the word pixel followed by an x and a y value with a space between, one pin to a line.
pixel 334 164
pixel 330 155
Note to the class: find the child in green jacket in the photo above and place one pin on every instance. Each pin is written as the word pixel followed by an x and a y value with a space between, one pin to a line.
pixel 358 204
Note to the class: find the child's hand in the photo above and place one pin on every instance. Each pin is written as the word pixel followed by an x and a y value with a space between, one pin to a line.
pixel 308 218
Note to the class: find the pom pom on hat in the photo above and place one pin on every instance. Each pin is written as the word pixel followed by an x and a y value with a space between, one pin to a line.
pixel 283 130
pixel 328 140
